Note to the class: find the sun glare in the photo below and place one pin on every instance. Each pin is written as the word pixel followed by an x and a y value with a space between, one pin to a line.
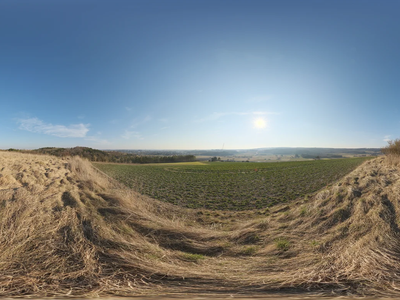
pixel 260 123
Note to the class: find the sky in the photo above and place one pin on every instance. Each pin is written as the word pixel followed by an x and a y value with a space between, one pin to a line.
pixel 199 74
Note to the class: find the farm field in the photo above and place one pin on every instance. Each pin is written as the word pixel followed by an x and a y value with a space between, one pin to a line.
pixel 231 186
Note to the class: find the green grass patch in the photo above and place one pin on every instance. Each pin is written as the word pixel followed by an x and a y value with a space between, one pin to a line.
pixel 303 211
pixel 189 163
pixel 315 243
pixel 282 244
pixel 192 257
pixel 249 250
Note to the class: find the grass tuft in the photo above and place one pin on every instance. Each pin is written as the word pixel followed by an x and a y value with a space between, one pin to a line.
pixel 192 257
pixel 282 244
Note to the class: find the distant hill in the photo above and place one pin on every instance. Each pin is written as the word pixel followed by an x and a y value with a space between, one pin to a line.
pixel 85 152
pixel 300 151
pixel 166 156
pixel 322 152
pixel 109 156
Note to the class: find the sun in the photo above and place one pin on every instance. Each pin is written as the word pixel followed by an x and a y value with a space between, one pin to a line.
pixel 259 123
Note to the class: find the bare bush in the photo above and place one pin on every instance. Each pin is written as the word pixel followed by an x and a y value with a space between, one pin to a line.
pixel 393 148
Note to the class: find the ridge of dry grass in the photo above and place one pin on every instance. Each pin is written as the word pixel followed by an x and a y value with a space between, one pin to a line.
pixel 67 229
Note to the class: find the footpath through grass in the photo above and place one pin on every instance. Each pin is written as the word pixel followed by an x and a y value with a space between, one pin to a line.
pixel 230 185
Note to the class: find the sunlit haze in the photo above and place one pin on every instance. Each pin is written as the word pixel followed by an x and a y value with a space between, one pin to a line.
pixel 260 123
pixel 167 74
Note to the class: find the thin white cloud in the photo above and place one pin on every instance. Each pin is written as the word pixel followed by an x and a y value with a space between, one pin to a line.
pixel 97 140
pixel 262 113
pixel 214 116
pixel 131 134
pixel 259 99
pixel 38 126
pixel 138 122
pixel 147 118
pixel 217 115
pixel 386 138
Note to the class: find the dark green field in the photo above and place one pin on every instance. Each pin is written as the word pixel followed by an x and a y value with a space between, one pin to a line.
pixel 231 186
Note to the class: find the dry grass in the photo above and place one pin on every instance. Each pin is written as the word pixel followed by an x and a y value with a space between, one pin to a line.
pixel 68 229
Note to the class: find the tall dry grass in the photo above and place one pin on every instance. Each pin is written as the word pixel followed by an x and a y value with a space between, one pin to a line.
pixel 392 152
pixel 68 229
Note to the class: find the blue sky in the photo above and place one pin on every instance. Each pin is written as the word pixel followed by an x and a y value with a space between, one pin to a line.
pixel 199 74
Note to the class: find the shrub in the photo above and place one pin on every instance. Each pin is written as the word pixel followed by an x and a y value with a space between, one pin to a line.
pixel 393 147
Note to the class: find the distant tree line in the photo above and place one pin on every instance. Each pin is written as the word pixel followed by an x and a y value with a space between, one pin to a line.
pixel 181 152
pixel 215 159
pixel 146 159
pixel 109 156
pixel 322 152
pixel 304 155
